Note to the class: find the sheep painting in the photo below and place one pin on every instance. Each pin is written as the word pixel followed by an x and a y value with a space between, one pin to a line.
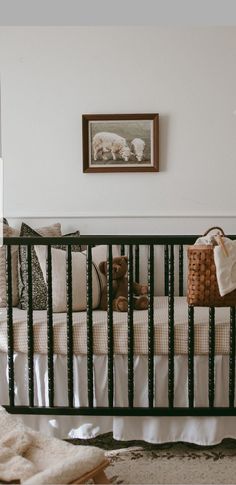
pixel 114 143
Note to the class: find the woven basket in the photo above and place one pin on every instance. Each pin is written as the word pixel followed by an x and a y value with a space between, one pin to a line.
pixel 202 283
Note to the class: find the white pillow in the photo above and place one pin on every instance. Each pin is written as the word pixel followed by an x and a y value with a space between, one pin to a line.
pixel 79 291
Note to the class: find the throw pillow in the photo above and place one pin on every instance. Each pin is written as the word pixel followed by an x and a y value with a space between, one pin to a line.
pixel 39 295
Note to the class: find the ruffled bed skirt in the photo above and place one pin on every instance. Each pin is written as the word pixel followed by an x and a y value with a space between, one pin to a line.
pixel 200 430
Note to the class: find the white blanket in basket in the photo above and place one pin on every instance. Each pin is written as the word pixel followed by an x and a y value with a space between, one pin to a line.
pixel 226 266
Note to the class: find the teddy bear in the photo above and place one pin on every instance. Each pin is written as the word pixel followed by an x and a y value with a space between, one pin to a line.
pixel 120 287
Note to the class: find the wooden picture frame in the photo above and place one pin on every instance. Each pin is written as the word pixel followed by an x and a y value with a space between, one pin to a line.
pixel 120 143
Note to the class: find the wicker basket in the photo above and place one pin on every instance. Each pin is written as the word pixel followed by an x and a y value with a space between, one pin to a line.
pixel 202 283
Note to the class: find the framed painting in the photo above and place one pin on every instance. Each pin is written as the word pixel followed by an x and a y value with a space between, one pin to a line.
pixel 121 143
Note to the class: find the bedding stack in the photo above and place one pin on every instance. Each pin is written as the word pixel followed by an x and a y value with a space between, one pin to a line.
pixel 38 262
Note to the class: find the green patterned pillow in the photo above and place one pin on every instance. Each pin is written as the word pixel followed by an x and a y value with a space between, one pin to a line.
pixel 39 288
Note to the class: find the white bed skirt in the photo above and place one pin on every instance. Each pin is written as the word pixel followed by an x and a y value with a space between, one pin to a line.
pixel 203 430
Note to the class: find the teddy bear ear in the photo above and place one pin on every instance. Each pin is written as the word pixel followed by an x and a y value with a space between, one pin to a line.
pixel 102 267
pixel 125 258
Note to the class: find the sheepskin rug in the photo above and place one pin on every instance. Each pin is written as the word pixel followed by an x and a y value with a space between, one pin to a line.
pixel 35 459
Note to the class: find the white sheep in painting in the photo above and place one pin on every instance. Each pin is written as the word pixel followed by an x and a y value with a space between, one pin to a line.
pixel 138 146
pixel 111 142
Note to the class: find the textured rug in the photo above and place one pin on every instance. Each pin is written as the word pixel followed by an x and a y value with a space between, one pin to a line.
pixel 137 462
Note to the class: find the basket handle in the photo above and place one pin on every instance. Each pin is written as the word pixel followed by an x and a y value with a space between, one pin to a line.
pixel 212 228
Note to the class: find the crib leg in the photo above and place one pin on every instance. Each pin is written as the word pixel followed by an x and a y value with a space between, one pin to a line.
pixel 101 478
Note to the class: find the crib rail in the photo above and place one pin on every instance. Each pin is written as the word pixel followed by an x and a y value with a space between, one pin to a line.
pixel 129 245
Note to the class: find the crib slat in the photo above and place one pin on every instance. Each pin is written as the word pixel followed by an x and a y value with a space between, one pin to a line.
pixel 166 268
pixel 50 328
pixel 181 270
pixel 232 357
pixel 191 356
pixel 151 337
pixel 211 376
pixel 70 370
pixel 10 334
pixel 110 326
pixel 122 249
pixel 130 330
pixel 136 272
pixel 171 348
pixel 30 329
pixel 89 327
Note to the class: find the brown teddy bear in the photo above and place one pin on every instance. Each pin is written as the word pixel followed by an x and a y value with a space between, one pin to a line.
pixel 120 287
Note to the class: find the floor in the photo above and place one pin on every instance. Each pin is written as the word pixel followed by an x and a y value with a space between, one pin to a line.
pixel 137 462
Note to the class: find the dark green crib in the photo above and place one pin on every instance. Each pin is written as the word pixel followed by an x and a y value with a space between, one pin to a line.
pixel 129 245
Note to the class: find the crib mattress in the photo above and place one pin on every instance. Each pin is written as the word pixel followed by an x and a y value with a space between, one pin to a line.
pixel 201 329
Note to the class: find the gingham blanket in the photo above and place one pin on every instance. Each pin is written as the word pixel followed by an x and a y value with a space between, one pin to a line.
pixel 201 330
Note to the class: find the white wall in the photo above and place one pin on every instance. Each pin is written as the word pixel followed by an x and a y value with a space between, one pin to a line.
pixel 50 76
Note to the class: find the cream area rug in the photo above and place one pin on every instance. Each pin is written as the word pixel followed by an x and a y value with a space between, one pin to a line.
pixel 174 463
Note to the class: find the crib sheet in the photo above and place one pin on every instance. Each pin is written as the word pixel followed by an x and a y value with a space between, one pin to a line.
pixel 120 330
